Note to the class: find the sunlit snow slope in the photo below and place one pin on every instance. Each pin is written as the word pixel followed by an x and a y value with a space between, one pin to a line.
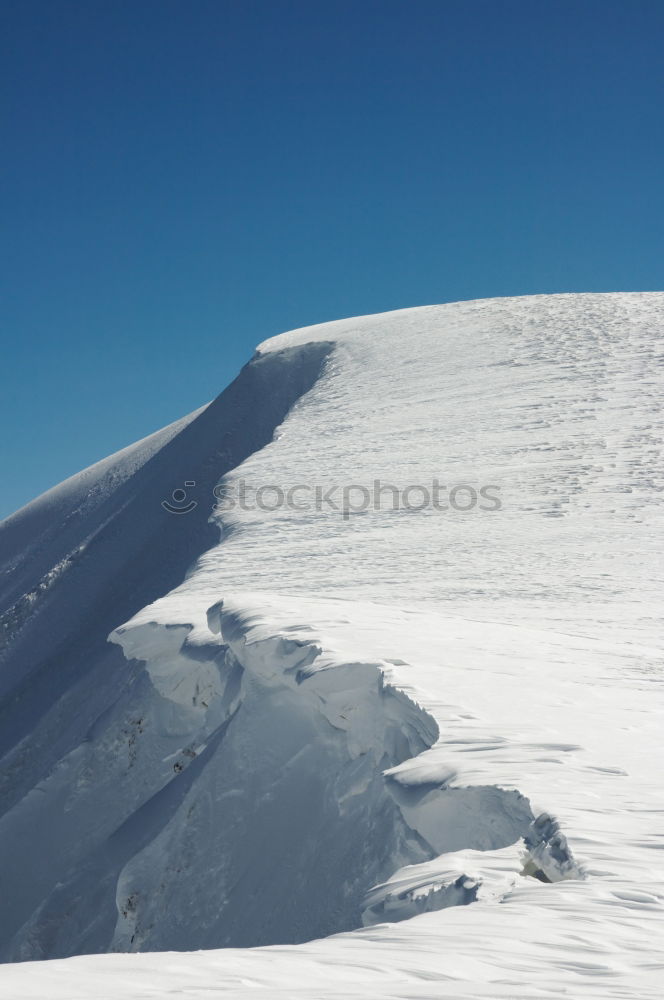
pixel 433 729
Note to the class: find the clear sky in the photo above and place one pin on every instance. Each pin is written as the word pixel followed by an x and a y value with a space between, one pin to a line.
pixel 183 178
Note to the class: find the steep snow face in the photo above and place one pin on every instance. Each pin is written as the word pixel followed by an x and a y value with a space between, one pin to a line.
pixel 71 706
pixel 86 555
pixel 280 834
pixel 365 710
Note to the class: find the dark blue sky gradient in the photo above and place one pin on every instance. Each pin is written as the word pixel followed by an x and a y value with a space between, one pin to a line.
pixel 184 179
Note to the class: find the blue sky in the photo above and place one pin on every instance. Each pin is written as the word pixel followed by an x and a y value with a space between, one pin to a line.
pixel 184 179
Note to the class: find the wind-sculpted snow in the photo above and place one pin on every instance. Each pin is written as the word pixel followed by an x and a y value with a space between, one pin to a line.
pixel 304 805
pixel 93 551
pixel 430 728
pixel 292 820
pixel 73 711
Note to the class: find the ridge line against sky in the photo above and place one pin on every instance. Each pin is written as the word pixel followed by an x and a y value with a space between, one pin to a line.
pixel 185 180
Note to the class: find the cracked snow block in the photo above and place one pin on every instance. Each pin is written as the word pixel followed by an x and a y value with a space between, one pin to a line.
pixel 548 856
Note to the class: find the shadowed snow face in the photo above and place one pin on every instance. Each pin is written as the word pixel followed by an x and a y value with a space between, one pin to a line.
pixel 229 788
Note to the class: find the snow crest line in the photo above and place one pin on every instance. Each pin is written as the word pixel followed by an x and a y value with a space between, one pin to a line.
pixel 74 564
pixel 303 809
pixel 346 695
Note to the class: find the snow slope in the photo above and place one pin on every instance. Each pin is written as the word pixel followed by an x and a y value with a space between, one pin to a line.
pixel 435 731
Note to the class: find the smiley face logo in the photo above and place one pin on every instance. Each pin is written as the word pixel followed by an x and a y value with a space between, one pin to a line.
pixel 177 504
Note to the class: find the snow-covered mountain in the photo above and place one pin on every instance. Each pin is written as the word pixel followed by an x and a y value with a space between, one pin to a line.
pixel 368 647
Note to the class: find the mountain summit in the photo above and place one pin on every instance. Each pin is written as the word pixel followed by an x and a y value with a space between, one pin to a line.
pixel 369 644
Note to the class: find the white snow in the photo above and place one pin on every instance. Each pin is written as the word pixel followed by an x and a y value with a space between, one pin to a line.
pixel 437 731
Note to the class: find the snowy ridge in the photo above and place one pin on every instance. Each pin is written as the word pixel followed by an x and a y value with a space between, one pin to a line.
pixel 339 723
pixel 74 715
pixel 286 740
pixel 433 806
pixel 286 673
pixel 479 843
pixel 40 525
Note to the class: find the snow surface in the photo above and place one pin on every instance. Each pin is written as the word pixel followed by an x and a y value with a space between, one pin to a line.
pixel 427 739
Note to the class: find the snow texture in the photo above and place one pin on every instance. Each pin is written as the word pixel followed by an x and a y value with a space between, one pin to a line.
pixel 353 752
